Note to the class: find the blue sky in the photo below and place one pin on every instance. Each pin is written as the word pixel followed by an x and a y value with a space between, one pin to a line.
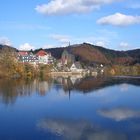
pixel 27 24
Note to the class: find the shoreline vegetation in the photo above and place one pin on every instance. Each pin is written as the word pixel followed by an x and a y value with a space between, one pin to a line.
pixel 120 70
pixel 27 71
pixel 10 67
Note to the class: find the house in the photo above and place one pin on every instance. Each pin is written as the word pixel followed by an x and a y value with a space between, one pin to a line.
pixel 27 57
pixel 76 67
pixel 44 57
pixel 41 57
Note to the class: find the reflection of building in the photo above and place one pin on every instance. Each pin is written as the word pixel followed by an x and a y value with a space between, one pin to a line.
pixel 68 83
pixel 76 78
pixel 43 87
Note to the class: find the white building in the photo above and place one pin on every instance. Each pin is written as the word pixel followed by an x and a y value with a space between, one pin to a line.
pixel 76 67
pixel 44 57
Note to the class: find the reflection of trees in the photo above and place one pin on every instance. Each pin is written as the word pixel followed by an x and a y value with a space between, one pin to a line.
pixel 94 83
pixel 7 91
pixel 11 89
pixel 91 83
pixel 43 86
pixel 79 130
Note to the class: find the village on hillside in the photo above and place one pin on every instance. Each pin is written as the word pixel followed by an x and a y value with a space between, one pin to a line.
pixel 66 64
pixel 83 59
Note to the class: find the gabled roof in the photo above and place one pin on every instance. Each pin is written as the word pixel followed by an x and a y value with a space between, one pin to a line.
pixel 23 53
pixel 65 52
pixel 78 65
pixel 41 53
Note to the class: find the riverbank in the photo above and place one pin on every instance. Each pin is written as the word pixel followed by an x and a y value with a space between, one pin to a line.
pixel 67 74
pixel 127 77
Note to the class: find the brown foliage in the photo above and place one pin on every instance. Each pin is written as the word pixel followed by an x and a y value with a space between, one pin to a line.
pixel 88 53
pixel 123 60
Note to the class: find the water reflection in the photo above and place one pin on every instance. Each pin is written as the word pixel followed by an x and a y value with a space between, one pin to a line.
pixel 120 120
pixel 11 89
pixel 88 84
pixel 101 108
pixel 78 130
pixel 120 114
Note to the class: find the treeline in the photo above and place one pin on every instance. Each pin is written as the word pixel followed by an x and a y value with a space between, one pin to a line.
pixel 11 68
pixel 89 54
pixel 115 70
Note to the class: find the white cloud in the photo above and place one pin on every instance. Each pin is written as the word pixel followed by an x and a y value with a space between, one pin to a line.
pixel 124 87
pixel 5 41
pixel 119 19
pixel 48 46
pixel 119 114
pixel 62 7
pixel 74 130
pixel 124 45
pixel 103 42
pixel 26 46
pixel 60 38
pixel 100 38
pixel 100 43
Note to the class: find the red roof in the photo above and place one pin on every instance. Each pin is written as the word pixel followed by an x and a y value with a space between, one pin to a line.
pixel 22 53
pixel 41 53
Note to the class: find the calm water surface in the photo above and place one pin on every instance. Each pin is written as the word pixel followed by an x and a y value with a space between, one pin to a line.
pixel 70 109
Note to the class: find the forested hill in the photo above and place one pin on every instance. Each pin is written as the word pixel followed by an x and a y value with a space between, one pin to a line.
pixel 90 54
pixel 6 46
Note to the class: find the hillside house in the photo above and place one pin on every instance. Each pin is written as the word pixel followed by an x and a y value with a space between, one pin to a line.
pixel 76 67
pixel 27 57
pixel 44 57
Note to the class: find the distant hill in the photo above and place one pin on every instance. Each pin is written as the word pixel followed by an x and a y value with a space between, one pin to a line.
pixel 91 54
pixel 6 46
pixel 56 52
pixel 135 54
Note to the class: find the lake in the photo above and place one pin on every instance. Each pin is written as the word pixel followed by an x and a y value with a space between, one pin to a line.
pixel 72 108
